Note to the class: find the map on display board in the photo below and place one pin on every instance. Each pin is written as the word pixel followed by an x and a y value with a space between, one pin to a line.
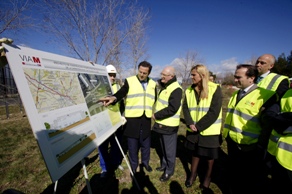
pixel 60 96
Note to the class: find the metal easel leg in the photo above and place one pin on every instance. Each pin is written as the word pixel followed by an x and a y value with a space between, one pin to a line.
pixel 55 187
pixel 128 164
pixel 86 177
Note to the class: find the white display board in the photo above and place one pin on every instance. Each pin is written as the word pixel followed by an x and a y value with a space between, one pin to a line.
pixel 60 96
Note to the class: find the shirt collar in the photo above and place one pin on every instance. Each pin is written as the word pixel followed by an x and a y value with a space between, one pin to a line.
pixel 265 74
pixel 246 89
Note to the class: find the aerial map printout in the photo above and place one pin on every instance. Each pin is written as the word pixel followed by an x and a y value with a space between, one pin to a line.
pixel 60 96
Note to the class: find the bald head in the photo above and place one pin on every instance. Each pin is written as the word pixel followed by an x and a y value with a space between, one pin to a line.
pixel 265 63
pixel 169 70
pixel 167 74
pixel 269 57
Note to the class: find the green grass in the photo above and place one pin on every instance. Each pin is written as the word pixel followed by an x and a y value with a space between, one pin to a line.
pixel 23 168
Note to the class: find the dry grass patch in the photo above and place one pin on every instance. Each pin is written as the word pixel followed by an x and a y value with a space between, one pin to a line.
pixel 22 166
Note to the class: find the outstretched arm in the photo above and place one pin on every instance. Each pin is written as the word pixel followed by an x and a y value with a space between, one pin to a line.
pixel 119 95
pixel 107 100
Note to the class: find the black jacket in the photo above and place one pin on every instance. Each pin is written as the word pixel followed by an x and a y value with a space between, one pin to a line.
pixel 279 121
pixel 174 103
pixel 133 125
pixel 282 87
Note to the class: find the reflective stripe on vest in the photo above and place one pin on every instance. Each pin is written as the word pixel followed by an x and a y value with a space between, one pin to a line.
pixel 273 140
pixel 138 100
pixel 283 148
pixel 274 137
pixel 242 119
pixel 284 151
pixel 115 88
pixel 197 111
pixel 162 102
pixel 272 81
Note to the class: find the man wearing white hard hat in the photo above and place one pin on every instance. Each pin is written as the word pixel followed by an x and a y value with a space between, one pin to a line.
pixel 140 95
pixel 111 159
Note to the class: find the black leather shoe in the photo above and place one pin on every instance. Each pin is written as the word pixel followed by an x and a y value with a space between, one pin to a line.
pixel 188 183
pixel 205 190
pixel 160 168
pixel 104 174
pixel 165 177
pixel 148 168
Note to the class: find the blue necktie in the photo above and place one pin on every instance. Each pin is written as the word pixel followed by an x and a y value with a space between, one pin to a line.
pixel 259 79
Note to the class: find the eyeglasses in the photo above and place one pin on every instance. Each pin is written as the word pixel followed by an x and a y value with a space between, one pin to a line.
pixel 112 75
pixel 261 62
pixel 165 75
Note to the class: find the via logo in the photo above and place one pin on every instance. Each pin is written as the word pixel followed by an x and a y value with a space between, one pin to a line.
pixel 30 60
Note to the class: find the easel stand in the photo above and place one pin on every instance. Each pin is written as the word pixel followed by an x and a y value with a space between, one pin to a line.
pixel 86 175
pixel 86 179
pixel 127 162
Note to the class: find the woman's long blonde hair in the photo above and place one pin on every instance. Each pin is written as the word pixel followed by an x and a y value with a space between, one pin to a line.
pixel 204 74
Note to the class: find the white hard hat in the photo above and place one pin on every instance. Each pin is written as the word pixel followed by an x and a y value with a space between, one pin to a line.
pixel 111 69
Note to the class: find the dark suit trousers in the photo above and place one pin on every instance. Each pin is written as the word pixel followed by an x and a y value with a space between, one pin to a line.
pixel 168 144
pixel 246 170
pixel 134 144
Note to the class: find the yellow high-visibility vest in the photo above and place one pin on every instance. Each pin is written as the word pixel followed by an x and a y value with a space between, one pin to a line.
pixel 162 102
pixel 197 111
pixel 115 88
pixel 282 147
pixel 284 151
pixel 138 100
pixel 272 81
pixel 242 119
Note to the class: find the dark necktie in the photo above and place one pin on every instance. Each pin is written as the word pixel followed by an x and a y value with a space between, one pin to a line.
pixel 259 79
pixel 240 94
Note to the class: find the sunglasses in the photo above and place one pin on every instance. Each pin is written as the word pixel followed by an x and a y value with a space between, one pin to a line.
pixel 112 75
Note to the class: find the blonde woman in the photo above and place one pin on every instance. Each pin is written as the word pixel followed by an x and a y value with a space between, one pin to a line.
pixel 202 109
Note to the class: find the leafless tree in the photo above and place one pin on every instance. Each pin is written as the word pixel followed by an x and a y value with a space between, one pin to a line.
pixel 183 65
pixel 228 79
pixel 137 38
pixel 252 60
pixel 12 20
pixel 115 55
pixel 95 31
pixel 12 15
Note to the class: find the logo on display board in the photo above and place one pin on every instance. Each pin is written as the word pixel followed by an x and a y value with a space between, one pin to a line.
pixel 30 60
